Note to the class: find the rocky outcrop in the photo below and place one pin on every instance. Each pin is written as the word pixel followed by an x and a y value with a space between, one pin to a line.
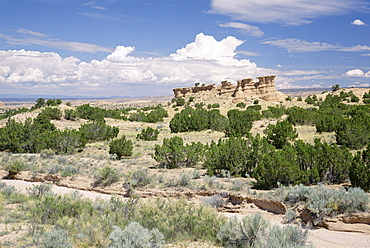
pixel 355 222
pixel 187 91
pixel 246 89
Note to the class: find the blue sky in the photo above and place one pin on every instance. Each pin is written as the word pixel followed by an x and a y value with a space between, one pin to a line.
pixel 148 47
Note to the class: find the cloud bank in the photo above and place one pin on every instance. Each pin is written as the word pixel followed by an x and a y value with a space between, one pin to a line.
pixel 205 60
pixel 300 46
pixel 34 38
pixel 289 12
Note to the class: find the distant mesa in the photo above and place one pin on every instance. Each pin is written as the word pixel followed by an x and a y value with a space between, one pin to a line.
pixel 246 89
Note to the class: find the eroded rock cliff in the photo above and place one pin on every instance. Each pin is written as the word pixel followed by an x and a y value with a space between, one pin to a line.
pixel 246 89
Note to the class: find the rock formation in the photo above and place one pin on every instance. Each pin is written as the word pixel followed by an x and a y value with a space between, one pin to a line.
pixel 246 89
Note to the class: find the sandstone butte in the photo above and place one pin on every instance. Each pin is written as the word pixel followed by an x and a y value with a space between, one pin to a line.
pixel 245 90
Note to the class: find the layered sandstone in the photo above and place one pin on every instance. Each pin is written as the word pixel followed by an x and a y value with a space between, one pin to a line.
pixel 246 89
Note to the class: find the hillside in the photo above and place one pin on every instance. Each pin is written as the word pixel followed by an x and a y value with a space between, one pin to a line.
pixel 230 190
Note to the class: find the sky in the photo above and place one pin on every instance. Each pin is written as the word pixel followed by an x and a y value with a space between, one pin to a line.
pixel 133 48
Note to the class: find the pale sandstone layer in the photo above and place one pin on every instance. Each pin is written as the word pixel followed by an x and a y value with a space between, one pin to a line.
pixel 246 89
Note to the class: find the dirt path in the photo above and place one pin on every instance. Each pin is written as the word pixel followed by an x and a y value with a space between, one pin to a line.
pixel 23 185
pixel 320 238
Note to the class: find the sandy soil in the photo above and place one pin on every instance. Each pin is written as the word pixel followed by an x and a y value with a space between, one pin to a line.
pixel 320 238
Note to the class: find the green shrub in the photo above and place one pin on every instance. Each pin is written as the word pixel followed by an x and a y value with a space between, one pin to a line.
pixel 329 122
pixel 184 180
pixel 148 134
pixel 255 107
pixel 180 220
pixel 139 178
pixel 237 185
pixel 214 201
pixel 13 167
pixel 301 116
pixel 106 176
pixel 87 112
pixel 40 190
pixel 274 112
pixel 156 115
pixel 241 105
pixel 335 87
pixel 199 119
pixel 11 112
pixel 30 136
pixel 7 190
pixel 52 113
pixel 47 154
pixel 70 114
pixel 277 167
pixel 230 154
pixel 211 183
pixel 289 216
pixel 353 135
pixel 179 101
pixel 285 236
pixel 240 122
pixel 56 239
pixel 174 154
pixel 49 208
pixel 199 105
pixel 255 231
pixel 280 134
pixel 244 232
pixel 360 170
pixel 121 147
pixel 354 99
pixel 64 142
pixel 217 122
pixel 311 99
pixel 214 105
pixel 135 235
pixel 90 223
pixel 53 102
pixel 40 102
pixel 303 163
pixel 324 202
pixel 98 131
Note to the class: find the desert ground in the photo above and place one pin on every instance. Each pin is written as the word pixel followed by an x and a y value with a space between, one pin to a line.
pixel 95 156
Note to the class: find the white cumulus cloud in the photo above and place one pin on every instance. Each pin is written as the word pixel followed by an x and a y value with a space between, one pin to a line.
pixel 244 28
pixel 358 22
pixel 355 73
pixel 32 66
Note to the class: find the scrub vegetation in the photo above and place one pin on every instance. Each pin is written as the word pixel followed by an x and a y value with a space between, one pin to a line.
pixel 296 149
